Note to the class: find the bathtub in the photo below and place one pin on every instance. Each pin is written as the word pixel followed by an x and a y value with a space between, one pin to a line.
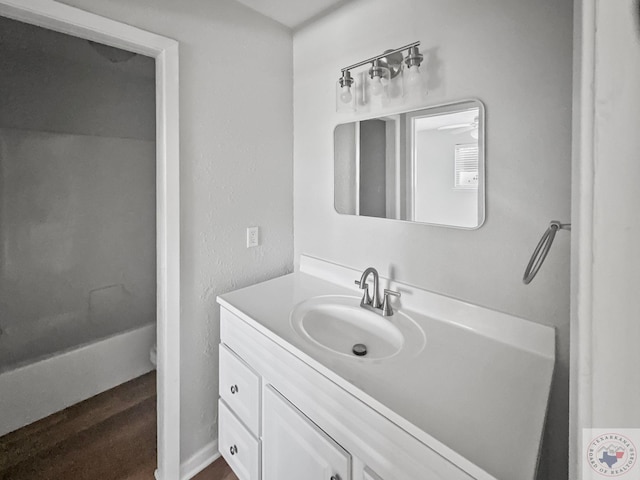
pixel 32 389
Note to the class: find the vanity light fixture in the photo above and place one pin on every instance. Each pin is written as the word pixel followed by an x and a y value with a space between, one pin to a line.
pixel 413 61
pixel 345 87
pixel 345 97
pixel 377 86
pixel 377 75
pixel 383 81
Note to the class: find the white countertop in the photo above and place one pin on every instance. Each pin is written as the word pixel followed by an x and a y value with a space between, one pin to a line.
pixel 470 395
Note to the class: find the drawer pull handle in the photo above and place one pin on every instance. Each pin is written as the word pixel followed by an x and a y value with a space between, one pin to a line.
pixel 234 389
pixel 335 477
pixel 233 449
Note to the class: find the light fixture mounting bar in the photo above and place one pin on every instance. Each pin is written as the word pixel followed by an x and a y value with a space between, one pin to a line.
pixel 382 55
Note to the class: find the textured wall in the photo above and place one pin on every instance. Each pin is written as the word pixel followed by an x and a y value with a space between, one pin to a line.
pixel 235 166
pixel 515 56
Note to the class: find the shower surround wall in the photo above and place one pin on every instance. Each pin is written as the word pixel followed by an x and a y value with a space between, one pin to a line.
pixel 515 56
pixel 77 221
pixel 77 232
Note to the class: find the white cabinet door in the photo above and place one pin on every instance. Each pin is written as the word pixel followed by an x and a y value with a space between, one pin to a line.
pixel 294 448
pixel 367 474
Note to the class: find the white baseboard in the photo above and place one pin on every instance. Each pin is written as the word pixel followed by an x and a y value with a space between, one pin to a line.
pixel 36 390
pixel 199 460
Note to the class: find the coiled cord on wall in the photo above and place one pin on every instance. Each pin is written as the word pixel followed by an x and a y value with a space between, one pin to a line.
pixel 542 250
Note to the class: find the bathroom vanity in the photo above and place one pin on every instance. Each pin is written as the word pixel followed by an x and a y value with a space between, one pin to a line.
pixel 447 390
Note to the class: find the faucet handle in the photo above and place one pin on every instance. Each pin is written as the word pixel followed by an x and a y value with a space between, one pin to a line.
pixel 366 299
pixel 387 311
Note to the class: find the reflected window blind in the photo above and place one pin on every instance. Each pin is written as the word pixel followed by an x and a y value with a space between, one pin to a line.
pixel 466 166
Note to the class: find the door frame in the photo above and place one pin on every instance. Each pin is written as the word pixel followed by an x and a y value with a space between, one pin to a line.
pixel 73 21
pixel 582 235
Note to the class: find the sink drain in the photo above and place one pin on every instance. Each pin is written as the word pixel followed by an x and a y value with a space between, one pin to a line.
pixel 359 349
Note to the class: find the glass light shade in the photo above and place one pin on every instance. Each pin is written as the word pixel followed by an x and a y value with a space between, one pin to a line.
pixel 415 82
pixel 376 90
pixel 346 97
pixel 395 90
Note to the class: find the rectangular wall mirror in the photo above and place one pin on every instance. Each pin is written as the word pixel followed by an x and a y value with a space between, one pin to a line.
pixel 424 166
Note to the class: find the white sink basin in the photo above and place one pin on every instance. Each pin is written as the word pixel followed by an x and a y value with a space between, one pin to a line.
pixel 339 323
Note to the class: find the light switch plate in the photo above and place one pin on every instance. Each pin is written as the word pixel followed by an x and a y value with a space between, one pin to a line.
pixel 253 237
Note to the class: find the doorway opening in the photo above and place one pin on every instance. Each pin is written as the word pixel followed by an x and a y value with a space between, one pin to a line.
pixel 62 18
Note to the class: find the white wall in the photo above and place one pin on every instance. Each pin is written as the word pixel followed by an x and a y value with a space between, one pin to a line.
pixel 515 56
pixel 436 199
pixel 236 170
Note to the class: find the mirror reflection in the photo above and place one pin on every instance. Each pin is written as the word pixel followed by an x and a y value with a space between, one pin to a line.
pixel 423 166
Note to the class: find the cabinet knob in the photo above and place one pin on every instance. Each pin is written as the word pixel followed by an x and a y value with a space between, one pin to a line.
pixel 335 477
pixel 234 389
pixel 233 449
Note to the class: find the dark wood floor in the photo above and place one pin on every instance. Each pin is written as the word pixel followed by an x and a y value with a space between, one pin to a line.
pixel 111 436
pixel 218 470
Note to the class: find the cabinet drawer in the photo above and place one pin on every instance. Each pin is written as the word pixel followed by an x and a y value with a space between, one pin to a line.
pixel 240 389
pixel 239 448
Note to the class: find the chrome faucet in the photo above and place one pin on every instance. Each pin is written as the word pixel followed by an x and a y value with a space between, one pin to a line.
pixel 373 302
pixel 366 300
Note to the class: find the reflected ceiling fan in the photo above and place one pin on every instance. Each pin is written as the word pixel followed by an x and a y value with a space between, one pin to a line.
pixel 458 128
